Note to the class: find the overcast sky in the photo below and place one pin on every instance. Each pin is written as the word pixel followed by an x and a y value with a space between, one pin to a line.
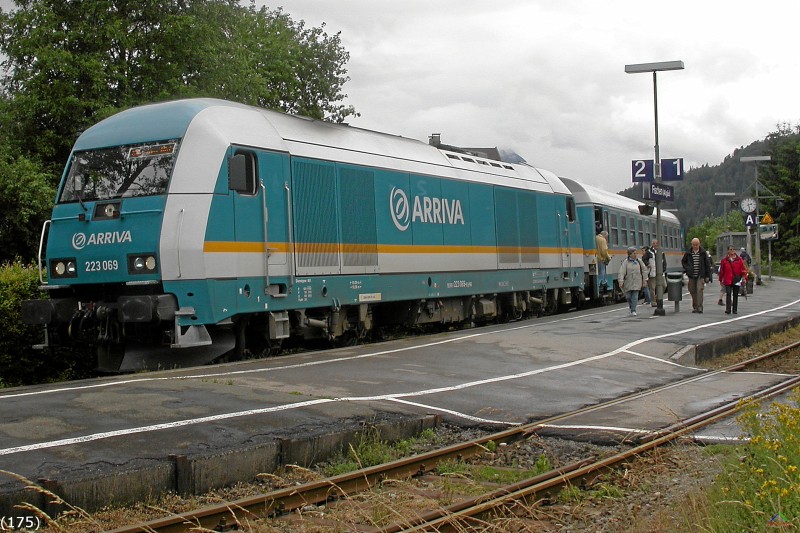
pixel 546 78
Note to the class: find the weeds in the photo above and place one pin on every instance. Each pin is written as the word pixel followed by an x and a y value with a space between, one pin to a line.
pixel 760 490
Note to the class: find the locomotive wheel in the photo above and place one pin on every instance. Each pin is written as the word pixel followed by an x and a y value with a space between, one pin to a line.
pixel 257 341
pixel 551 303
pixel 348 338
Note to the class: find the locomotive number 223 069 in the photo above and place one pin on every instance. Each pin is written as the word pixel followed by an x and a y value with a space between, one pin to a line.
pixel 100 266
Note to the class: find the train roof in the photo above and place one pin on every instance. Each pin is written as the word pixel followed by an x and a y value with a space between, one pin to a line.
pixel 305 137
pixel 590 195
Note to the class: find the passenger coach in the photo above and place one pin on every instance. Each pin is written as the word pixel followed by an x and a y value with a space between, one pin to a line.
pixel 601 210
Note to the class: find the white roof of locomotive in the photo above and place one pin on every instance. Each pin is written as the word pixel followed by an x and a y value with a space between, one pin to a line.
pixel 208 122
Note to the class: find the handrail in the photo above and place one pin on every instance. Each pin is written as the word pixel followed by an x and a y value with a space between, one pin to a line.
pixel 178 239
pixel 291 234
pixel 41 245
pixel 266 246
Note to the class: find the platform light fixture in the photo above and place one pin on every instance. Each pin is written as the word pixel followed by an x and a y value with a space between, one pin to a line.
pixel 726 203
pixel 639 68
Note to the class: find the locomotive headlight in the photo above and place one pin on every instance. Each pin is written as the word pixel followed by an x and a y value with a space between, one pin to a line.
pixel 142 264
pixel 63 268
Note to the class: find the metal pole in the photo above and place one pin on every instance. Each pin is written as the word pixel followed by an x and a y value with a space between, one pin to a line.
pixel 654 68
pixel 758 233
pixel 659 254
pixel 769 262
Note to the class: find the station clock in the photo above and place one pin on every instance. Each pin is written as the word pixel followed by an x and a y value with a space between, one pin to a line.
pixel 748 205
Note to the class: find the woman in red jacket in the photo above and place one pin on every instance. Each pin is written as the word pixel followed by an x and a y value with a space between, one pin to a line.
pixel 731 272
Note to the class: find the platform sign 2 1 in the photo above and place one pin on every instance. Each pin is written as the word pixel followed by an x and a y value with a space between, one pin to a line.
pixel 645 170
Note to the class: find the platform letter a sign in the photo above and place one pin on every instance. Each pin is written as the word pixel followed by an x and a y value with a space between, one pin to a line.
pixel 750 220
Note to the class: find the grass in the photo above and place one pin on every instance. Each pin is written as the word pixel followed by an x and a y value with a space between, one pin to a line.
pixel 369 450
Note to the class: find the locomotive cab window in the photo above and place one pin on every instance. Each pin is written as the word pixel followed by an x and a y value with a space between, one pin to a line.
pixel 242 176
pixel 120 172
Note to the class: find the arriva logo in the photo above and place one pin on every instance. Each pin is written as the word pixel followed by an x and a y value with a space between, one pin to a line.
pixel 80 240
pixel 426 210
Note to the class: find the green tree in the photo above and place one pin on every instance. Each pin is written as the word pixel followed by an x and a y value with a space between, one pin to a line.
pixel 782 178
pixel 712 227
pixel 26 195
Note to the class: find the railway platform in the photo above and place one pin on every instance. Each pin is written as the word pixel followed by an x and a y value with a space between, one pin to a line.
pixel 125 438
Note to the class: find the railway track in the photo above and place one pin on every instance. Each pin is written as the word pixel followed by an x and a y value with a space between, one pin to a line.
pixel 469 511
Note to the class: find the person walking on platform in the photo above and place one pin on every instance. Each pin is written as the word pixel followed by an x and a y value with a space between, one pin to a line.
pixel 652 282
pixel 650 265
pixel 631 278
pixel 745 257
pixel 603 258
pixel 697 266
pixel 731 272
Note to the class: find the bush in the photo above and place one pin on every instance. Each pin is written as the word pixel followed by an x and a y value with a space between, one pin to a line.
pixel 17 359
pixel 20 364
pixel 788 269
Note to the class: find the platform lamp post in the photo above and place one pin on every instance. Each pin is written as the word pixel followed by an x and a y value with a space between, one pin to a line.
pixel 723 195
pixel 757 259
pixel 655 68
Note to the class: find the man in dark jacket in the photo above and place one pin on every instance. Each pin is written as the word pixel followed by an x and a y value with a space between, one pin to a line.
pixel 697 266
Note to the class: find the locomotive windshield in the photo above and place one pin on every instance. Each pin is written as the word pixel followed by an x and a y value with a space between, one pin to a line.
pixel 120 172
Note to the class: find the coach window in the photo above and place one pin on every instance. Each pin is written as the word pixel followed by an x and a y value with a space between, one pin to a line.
pixel 614 230
pixel 632 230
pixel 571 209
pixel 242 172
pixel 640 226
pixel 623 230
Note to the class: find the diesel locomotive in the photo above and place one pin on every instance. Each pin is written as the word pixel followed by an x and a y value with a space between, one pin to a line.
pixel 191 230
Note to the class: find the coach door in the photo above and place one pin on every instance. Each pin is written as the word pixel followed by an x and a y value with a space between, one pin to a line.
pixel 250 216
pixel 567 224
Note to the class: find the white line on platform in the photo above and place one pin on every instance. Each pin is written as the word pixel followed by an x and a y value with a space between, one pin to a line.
pixel 456 413
pixel 665 361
